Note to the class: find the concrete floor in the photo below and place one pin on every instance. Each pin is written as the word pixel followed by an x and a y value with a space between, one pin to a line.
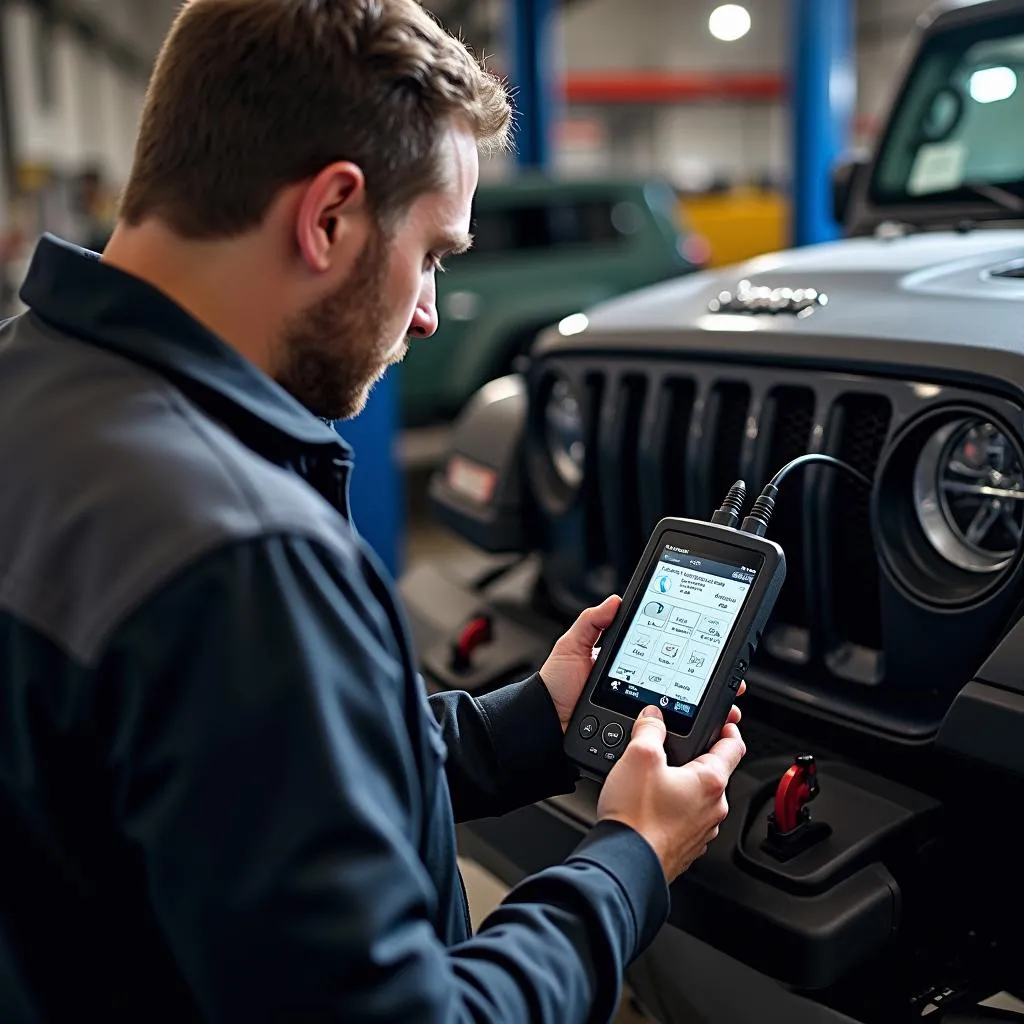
pixel 425 538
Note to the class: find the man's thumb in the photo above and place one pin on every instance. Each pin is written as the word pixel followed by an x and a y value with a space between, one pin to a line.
pixel 649 729
pixel 587 629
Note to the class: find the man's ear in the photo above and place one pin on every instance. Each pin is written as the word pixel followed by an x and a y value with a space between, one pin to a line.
pixel 332 206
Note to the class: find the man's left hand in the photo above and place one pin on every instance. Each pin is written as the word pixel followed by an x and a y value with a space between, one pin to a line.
pixel 573 656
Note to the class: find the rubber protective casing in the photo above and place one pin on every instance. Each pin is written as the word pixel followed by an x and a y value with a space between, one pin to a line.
pixel 721 690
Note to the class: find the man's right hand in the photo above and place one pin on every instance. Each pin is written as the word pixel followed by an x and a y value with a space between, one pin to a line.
pixel 677 810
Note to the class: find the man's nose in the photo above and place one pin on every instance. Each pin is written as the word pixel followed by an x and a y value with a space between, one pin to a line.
pixel 424 320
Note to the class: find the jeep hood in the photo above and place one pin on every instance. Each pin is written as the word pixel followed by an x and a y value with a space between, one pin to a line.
pixel 934 287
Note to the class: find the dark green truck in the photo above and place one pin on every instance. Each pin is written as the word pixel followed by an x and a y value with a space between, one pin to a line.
pixel 544 249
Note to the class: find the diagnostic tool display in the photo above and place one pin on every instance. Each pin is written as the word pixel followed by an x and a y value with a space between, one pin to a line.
pixel 674 643
pixel 690 621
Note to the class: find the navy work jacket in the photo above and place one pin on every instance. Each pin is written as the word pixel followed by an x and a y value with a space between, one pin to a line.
pixel 224 792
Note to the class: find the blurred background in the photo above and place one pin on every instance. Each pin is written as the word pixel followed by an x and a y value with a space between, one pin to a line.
pixel 655 139
pixel 694 93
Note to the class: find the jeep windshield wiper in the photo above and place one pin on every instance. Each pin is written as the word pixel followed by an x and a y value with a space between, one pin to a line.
pixel 1002 197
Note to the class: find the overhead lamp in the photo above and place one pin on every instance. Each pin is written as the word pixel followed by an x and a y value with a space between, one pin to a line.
pixel 729 22
pixel 990 85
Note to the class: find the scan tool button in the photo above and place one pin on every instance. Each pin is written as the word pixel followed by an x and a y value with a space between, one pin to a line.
pixel 739 670
pixel 588 727
pixel 612 735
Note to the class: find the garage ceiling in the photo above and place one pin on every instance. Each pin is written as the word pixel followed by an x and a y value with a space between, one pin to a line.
pixel 135 28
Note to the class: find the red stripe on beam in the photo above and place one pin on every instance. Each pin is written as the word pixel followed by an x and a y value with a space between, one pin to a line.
pixel 670 86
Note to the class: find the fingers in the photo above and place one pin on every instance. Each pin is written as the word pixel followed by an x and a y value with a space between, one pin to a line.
pixel 735 715
pixel 650 719
pixel 587 629
pixel 594 621
pixel 729 750
pixel 649 734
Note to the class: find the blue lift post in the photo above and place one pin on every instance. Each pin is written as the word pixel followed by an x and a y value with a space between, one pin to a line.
pixel 378 499
pixel 376 490
pixel 534 70
pixel 822 90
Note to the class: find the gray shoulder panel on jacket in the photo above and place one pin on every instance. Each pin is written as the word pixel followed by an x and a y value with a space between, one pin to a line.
pixel 113 483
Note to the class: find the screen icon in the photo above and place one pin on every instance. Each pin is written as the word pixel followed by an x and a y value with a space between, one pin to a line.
pixel 670 650
pixel 664 584
pixel 664 702
pixel 623 672
pixel 655 610
pixel 697 660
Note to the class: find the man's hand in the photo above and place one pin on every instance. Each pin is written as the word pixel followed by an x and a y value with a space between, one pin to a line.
pixel 677 810
pixel 573 656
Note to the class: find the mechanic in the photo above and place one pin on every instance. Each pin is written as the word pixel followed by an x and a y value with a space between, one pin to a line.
pixel 224 793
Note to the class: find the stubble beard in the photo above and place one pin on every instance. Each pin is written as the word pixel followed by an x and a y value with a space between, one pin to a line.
pixel 333 352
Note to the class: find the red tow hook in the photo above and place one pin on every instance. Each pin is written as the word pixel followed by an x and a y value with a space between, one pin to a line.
pixel 790 829
pixel 473 634
pixel 795 790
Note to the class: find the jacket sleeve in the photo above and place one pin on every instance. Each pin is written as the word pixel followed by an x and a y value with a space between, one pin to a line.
pixel 261 766
pixel 504 749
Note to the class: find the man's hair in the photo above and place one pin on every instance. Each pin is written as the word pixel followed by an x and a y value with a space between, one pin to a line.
pixel 250 96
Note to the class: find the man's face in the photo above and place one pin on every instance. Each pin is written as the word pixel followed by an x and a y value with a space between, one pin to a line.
pixel 338 348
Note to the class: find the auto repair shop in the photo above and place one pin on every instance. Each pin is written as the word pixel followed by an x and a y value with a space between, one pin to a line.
pixel 719 323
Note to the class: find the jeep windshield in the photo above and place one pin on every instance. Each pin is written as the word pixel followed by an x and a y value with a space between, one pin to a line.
pixel 955 136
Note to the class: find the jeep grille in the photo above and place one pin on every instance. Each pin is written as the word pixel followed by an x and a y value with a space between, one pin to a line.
pixel 660 443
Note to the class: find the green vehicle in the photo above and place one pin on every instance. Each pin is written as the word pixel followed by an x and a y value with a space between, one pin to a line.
pixel 544 249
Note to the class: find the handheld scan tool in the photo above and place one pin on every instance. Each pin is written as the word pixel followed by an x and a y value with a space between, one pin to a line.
pixel 690 622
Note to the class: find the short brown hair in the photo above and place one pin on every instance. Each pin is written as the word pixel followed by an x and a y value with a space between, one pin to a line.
pixel 249 96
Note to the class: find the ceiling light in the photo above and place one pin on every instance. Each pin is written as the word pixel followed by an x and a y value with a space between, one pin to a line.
pixel 729 22
pixel 990 85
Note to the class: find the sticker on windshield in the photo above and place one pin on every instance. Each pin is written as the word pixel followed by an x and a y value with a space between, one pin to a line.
pixel 938 167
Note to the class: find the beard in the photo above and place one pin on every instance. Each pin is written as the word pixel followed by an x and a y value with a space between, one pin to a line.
pixel 335 351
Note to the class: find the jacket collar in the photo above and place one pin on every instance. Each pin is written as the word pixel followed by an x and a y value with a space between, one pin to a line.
pixel 73 290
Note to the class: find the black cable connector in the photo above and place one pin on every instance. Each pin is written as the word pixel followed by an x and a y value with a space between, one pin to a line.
pixel 731 508
pixel 761 512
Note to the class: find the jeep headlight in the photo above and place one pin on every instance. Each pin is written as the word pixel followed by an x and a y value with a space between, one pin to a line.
pixel 969 495
pixel 563 433
pixel 948 506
